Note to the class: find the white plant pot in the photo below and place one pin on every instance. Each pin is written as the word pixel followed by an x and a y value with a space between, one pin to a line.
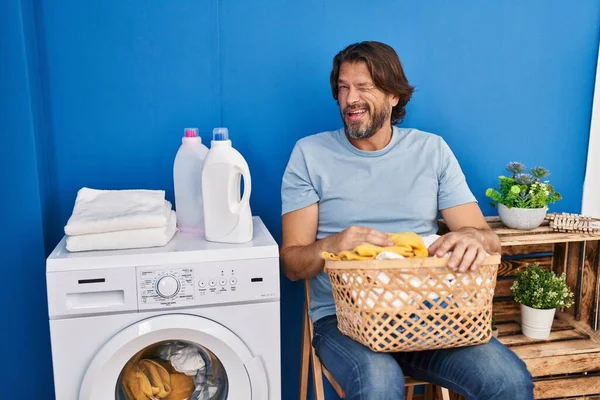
pixel 522 218
pixel 535 323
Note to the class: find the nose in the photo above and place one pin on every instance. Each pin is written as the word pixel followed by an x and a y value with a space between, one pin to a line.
pixel 353 96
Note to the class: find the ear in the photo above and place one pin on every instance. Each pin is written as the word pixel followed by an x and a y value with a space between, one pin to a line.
pixel 394 100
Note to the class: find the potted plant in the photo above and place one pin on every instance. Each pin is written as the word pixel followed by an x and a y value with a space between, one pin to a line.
pixel 523 198
pixel 540 292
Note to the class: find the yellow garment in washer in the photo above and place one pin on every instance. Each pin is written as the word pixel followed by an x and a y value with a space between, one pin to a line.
pixel 146 380
pixel 182 387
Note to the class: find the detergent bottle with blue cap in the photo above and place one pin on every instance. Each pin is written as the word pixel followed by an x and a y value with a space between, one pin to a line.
pixel 227 215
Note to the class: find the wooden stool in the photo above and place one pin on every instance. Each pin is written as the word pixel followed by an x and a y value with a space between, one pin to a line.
pixel 318 370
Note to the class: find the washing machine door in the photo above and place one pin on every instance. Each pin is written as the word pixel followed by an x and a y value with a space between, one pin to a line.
pixel 178 355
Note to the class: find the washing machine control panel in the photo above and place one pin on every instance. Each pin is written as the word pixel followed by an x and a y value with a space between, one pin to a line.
pixel 206 283
pixel 166 286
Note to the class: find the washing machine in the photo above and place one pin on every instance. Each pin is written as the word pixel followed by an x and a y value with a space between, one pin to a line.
pixel 189 320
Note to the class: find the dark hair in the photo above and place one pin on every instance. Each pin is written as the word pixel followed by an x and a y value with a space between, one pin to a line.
pixel 385 69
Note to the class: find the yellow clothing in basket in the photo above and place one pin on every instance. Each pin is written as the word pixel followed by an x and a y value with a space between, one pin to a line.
pixel 407 244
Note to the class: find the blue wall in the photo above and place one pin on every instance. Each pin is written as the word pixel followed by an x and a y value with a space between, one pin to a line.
pixel 25 325
pixel 123 80
pixel 97 94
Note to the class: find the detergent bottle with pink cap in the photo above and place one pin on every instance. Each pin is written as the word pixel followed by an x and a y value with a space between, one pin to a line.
pixel 187 179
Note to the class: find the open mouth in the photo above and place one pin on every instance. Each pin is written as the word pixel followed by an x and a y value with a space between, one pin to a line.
pixel 355 115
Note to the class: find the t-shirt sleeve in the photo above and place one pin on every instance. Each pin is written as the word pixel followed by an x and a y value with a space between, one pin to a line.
pixel 452 189
pixel 297 190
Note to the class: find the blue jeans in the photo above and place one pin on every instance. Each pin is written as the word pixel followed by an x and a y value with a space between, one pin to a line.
pixel 487 372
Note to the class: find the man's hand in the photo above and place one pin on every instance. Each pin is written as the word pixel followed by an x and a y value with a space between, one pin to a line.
pixel 351 237
pixel 301 253
pixel 466 245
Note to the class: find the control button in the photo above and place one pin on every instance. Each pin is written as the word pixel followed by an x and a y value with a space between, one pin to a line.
pixel 232 280
pixel 167 286
pixel 222 282
pixel 202 283
pixel 212 282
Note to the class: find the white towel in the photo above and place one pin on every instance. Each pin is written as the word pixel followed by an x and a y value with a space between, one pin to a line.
pixel 101 211
pixel 389 255
pixel 429 239
pixel 187 360
pixel 129 239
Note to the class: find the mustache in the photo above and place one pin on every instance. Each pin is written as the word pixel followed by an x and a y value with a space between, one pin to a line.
pixel 352 107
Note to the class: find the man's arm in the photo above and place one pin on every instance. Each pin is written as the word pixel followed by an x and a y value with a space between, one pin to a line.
pixel 469 239
pixel 301 252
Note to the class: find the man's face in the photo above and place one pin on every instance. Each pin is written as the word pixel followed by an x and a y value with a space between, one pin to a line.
pixel 364 108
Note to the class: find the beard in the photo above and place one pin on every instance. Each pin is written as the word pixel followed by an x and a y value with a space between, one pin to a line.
pixel 363 129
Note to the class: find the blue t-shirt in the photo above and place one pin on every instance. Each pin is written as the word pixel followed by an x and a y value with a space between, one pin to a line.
pixel 396 189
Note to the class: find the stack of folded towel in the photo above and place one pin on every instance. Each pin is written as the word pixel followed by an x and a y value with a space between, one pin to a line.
pixel 120 219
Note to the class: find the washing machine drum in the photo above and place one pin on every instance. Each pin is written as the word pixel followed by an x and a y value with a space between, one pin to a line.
pixel 175 357
pixel 173 370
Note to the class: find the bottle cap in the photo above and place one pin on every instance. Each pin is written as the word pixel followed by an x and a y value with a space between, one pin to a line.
pixel 220 134
pixel 190 132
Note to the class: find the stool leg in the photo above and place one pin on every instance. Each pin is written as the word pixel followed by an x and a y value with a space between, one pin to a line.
pixel 429 393
pixel 317 371
pixel 442 393
pixel 306 345
pixel 410 392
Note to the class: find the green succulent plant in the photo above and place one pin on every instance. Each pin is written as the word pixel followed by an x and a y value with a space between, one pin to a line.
pixel 523 190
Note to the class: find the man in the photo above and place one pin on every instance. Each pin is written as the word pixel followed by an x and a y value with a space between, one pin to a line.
pixel 351 186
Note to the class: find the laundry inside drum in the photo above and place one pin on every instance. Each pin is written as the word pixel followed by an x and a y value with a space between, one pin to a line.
pixel 173 370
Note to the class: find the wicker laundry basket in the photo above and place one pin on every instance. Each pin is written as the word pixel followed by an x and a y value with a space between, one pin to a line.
pixel 413 304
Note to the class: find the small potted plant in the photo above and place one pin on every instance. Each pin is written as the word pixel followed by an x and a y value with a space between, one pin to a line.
pixel 523 198
pixel 540 292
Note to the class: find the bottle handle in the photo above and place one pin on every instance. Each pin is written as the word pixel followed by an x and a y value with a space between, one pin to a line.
pixel 235 208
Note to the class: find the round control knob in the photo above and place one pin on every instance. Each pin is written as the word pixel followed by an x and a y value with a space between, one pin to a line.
pixel 167 286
